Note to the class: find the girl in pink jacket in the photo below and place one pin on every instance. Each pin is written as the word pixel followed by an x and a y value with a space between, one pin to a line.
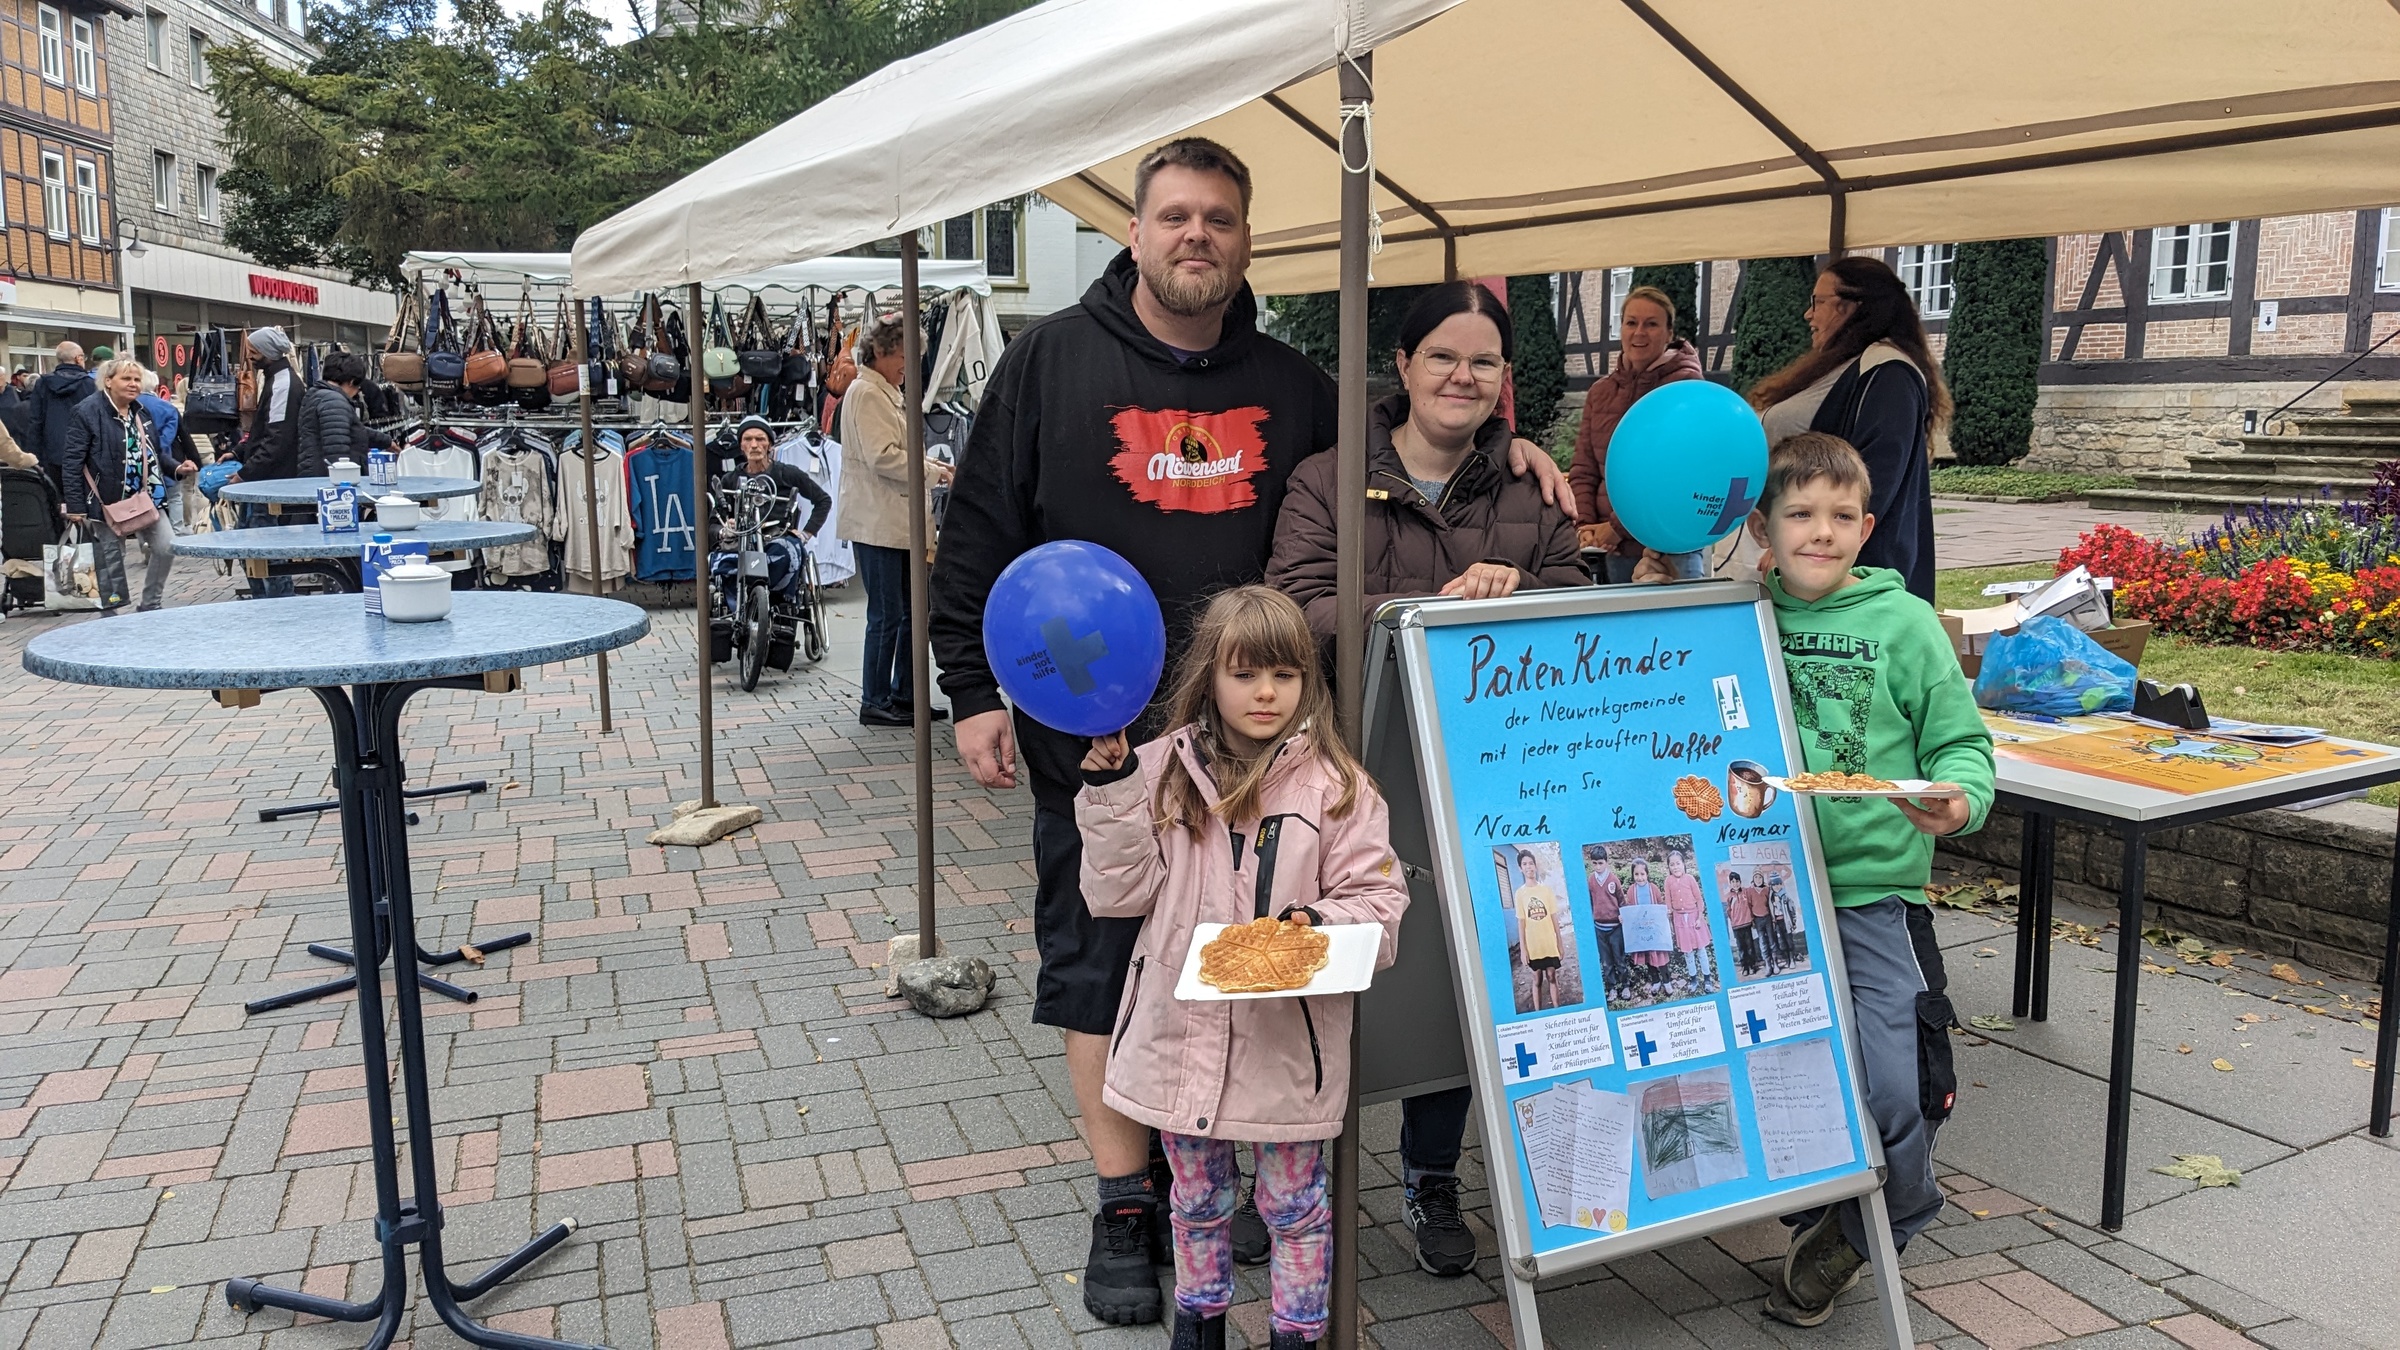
pixel 1250 807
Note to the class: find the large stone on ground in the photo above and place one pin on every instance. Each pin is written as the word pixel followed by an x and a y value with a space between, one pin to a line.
pixel 694 826
pixel 946 986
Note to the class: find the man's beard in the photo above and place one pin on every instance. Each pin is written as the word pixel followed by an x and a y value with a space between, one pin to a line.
pixel 1191 296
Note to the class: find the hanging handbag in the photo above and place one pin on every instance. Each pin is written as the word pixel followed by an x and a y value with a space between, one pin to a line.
pixel 600 349
pixel 527 367
pixel 796 367
pixel 212 392
pixel 445 364
pixel 563 377
pixel 761 357
pixel 486 366
pixel 399 365
pixel 245 380
pixel 719 362
pixel 634 363
pixel 125 518
pixel 664 369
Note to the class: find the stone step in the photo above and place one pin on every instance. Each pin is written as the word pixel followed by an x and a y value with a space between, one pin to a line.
pixel 2205 504
pixel 2313 468
pixel 2252 487
pixel 2355 446
pixel 2372 405
pixel 2345 424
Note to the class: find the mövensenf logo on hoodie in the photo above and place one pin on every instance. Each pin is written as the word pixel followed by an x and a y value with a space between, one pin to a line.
pixel 1177 460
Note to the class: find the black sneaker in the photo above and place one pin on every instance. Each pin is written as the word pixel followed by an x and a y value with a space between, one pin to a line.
pixel 1119 1286
pixel 885 717
pixel 1250 1238
pixel 1820 1267
pixel 1445 1246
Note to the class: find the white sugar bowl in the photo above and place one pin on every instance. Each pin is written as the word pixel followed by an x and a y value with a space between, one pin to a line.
pixel 415 593
pixel 395 512
pixel 342 471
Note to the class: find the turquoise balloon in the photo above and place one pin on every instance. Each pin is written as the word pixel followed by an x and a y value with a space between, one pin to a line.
pixel 1686 466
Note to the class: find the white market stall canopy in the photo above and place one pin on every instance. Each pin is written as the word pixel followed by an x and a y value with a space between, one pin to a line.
pixel 1516 136
pixel 555 269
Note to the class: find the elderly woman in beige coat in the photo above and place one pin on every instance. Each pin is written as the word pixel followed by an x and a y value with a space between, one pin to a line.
pixel 873 429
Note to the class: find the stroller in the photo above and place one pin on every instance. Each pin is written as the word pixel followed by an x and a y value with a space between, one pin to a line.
pixel 29 520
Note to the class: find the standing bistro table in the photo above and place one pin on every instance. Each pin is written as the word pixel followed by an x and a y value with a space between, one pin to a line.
pixel 335 555
pixel 2045 792
pixel 277 493
pixel 321 644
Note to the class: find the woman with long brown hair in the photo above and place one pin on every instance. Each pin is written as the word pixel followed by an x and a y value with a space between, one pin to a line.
pixel 1869 377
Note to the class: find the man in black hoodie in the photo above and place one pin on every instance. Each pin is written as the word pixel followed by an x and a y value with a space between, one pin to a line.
pixel 1155 420
pixel 52 409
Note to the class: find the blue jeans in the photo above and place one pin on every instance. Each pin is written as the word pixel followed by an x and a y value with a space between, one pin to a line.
pixel 884 572
pixel 1685 566
pixel 1433 1126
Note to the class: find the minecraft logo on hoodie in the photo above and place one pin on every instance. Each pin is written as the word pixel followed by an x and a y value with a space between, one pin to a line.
pixel 1190 461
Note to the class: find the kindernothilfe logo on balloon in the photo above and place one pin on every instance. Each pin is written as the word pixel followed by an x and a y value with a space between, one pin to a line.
pixel 1075 638
pixel 1686 466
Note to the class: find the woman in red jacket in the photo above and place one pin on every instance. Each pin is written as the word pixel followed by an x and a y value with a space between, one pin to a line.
pixel 1649 355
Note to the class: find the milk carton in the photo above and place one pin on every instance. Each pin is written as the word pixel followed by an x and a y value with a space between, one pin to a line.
pixel 383 468
pixel 380 555
pixel 337 508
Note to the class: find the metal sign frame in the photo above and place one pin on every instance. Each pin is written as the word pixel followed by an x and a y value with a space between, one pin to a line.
pixel 1400 632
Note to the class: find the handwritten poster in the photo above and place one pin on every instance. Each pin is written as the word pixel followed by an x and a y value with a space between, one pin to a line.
pixel 2185 762
pixel 1650 960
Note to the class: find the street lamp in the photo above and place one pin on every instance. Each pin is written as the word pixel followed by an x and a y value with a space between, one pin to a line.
pixel 134 247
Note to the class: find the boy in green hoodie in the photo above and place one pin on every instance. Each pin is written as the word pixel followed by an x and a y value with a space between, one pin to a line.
pixel 1876 689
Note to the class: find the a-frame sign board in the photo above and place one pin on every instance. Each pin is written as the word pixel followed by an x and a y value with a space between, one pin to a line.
pixel 1577 787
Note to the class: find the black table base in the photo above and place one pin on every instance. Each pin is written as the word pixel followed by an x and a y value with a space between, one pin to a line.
pixel 2037 862
pixel 367 780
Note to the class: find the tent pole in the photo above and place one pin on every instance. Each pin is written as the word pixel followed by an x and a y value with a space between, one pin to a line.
pixel 700 527
pixel 591 496
pixel 920 621
pixel 1350 513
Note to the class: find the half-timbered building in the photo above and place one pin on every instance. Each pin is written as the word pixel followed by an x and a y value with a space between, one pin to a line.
pixel 57 177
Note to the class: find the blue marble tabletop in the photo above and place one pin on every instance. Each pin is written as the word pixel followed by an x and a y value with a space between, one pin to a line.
pixel 320 640
pixel 303 491
pixel 294 542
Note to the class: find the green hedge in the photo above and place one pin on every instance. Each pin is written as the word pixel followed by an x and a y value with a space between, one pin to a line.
pixel 1770 322
pixel 1994 350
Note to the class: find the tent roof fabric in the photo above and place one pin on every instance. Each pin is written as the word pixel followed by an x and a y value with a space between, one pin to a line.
pixel 838 273
pixel 1516 136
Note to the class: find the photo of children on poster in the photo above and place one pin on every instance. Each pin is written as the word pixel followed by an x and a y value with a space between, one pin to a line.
pixel 1651 913
pixel 1762 906
pixel 1543 962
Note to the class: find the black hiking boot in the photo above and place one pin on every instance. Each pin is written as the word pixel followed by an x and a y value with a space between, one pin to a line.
pixel 1119 1285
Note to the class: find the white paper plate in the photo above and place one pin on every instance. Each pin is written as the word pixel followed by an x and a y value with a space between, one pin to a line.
pixel 1915 788
pixel 1349 964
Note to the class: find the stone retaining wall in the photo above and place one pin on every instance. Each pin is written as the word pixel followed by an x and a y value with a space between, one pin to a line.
pixel 2117 428
pixel 2313 885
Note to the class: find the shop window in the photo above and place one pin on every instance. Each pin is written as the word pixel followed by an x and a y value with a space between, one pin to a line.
pixel 2387 257
pixel 2191 262
pixel 958 237
pixel 154 33
pixel 166 190
pixel 1000 241
pixel 53 41
pixel 197 42
pixel 54 194
pixel 87 58
pixel 1620 285
pixel 87 200
pixel 208 192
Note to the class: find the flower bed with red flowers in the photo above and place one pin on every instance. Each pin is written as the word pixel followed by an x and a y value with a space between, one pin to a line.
pixel 2289 578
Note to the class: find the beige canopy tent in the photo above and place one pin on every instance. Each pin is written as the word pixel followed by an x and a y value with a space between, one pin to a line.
pixel 1515 136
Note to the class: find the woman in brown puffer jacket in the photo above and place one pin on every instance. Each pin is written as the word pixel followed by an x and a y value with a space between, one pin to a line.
pixel 1444 515
pixel 1649 355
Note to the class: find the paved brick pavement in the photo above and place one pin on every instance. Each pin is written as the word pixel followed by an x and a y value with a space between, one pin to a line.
pixel 1989 534
pixel 694 1058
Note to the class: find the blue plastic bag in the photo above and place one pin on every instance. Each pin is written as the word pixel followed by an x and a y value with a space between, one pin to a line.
pixel 2050 666
pixel 212 476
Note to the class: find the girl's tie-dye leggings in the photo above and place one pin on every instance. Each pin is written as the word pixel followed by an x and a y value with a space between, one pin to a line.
pixel 1291 1198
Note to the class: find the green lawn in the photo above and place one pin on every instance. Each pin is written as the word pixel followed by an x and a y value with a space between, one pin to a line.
pixel 2347 695
pixel 1994 480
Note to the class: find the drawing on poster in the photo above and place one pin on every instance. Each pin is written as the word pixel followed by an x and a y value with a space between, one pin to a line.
pixel 1543 962
pixel 1762 904
pixel 1650 914
pixel 1690 1138
pixel 1797 1098
pixel 1579 1147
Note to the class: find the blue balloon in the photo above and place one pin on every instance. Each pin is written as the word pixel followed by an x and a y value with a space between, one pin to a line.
pixel 1686 466
pixel 1075 637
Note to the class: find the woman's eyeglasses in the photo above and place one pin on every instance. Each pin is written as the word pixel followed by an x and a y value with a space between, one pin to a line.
pixel 1442 365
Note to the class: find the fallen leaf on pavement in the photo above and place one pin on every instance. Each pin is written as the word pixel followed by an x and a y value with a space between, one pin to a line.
pixel 2223 1065
pixel 2206 1168
pixel 2284 973
pixel 1991 1022
pixel 2150 967
pixel 2221 960
pixel 2364 1064
pixel 2192 948
pixel 2252 1017
pixel 2313 1008
pixel 1986 951
pixel 2183 1049
pixel 1980 1213
pixel 472 952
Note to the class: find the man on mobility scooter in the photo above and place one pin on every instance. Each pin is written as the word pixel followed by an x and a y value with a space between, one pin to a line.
pixel 764 581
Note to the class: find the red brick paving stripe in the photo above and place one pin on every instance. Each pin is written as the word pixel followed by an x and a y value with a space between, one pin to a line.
pixel 2201 1333
pixel 941 1190
pixel 594 1092
pixel 202 1160
pixel 718 1043
pixel 27 985
pixel 1991 1203
pixel 592 1167
pixel 2051 1303
pixel 1981 1312
pixel 149 1009
pixel 71 1086
pixel 695 1326
pixel 191 1095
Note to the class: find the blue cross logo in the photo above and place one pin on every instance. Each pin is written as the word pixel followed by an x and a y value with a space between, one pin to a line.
pixel 2350 754
pixel 1074 655
pixel 1739 500
pixel 1524 1060
pixel 1752 1023
pixel 1644 1047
